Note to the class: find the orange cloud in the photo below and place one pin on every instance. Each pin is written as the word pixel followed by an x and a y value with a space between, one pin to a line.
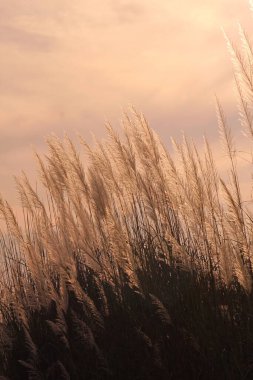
pixel 66 66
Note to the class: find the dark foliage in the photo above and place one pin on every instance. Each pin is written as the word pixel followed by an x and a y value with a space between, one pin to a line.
pixel 167 327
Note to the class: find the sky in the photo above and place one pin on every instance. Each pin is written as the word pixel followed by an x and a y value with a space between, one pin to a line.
pixel 68 66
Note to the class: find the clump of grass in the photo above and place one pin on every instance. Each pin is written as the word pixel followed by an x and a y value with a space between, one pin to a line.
pixel 135 266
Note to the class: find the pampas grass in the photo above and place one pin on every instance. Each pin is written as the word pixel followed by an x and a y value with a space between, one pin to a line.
pixel 137 265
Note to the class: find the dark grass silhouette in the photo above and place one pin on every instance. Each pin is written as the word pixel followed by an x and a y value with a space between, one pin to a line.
pixel 168 328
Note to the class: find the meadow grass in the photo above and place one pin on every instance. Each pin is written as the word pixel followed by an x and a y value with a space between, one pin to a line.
pixel 135 265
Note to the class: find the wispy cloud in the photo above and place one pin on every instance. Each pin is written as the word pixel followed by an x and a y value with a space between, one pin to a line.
pixel 69 65
pixel 24 39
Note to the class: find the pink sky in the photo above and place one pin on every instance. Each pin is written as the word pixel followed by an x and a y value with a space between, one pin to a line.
pixel 70 65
